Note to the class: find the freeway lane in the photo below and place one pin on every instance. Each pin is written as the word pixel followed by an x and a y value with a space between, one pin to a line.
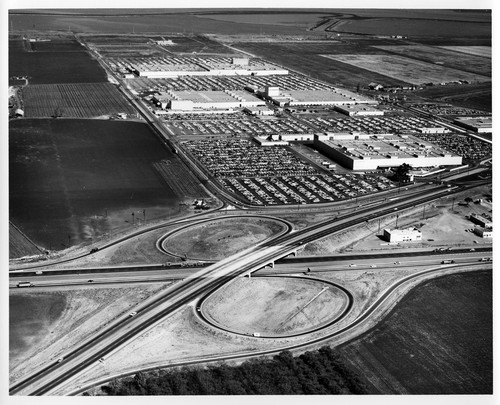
pixel 102 277
pixel 247 261
pixel 310 344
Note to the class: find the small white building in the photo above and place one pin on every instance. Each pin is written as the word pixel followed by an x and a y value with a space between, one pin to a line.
pixel 403 235
pixel 484 232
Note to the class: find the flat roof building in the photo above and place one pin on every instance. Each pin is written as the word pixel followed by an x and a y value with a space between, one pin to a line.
pixel 191 100
pixel 403 235
pixel 316 97
pixel 171 67
pixel 357 152
pixel 358 109
pixel 477 124
pixel 484 232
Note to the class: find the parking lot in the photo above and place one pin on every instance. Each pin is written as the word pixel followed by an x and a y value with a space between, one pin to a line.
pixel 463 145
pixel 243 158
pixel 293 190
pixel 246 127
pixel 447 109
pixel 292 81
pixel 275 175
pixel 371 125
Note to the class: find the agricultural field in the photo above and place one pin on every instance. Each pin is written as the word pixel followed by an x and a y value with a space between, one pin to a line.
pixel 306 58
pixel 437 340
pixel 74 181
pixel 442 56
pixel 84 100
pixel 482 51
pixel 58 66
pixel 406 69
pixel 415 27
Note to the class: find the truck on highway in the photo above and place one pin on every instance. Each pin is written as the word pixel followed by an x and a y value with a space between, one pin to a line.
pixel 447 261
pixel 23 284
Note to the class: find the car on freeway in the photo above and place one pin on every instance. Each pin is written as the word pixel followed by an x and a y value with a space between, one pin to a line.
pixel 352 265
pixel 60 359
pixel 133 313
pixel 90 281
pixel 397 262
pixel 373 266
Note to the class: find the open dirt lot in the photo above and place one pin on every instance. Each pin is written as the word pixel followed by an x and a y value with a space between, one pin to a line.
pixel 274 306
pixel 439 224
pixel 45 324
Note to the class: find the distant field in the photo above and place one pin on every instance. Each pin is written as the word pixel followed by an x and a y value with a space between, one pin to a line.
pixel 438 340
pixel 415 27
pixel 444 56
pixel 49 67
pixel 406 69
pixel 483 51
pixel 306 58
pixel 74 180
pixel 74 100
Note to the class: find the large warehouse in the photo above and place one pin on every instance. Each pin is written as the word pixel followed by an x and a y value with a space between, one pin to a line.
pixel 357 152
pixel 315 97
pixel 162 67
pixel 205 100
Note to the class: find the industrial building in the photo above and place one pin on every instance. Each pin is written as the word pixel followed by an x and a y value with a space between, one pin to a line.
pixel 314 97
pixel 480 220
pixel 163 67
pixel 403 235
pixel 358 109
pixel 484 232
pixel 362 152
pixel 476 124
pixel 259 110
pixel 205 100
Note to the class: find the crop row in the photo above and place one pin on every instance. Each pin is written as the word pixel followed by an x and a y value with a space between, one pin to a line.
pixel 74 100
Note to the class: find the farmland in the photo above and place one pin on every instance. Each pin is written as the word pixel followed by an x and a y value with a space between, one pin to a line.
pixel 444 57
pixel 306 58
pixel 483 51
pixel 406 69
pixel 73 181
pixel 53 66
pixel 415 27
pixel 438 340
pixel 84 100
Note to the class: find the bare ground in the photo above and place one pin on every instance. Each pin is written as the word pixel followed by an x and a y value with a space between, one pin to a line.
pixel 274 306
pixel 87 310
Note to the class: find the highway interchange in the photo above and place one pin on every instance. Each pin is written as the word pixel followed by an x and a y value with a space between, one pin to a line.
pixel 190 284
pixel 197 282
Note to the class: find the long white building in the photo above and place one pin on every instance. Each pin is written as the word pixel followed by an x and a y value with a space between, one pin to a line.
pixel 362 152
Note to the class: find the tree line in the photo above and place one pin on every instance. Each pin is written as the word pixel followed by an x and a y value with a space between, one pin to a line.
pixel 322 372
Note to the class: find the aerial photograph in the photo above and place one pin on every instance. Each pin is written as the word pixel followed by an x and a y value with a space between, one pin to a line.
pixel 274 200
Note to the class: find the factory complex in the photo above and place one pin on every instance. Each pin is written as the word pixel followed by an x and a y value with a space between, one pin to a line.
pixel 476 124
pixel 370 152
pixel 205 100
pixel 164 67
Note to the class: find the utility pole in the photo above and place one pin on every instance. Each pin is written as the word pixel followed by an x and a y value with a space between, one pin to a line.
pixel 144 213
pixel 133 218
pixel 397 217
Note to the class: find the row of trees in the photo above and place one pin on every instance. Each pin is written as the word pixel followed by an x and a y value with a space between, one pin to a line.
pixel 313 373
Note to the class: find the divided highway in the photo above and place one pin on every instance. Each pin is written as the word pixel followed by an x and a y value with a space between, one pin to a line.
pixel 212 277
